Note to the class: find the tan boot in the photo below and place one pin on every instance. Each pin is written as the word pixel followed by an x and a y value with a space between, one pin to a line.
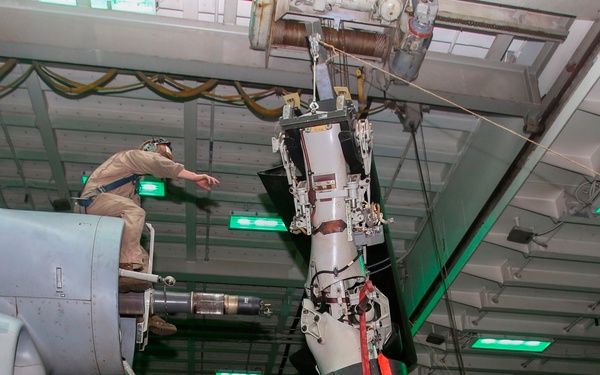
pixel 127 284
pixel 131 266
pixel 158 326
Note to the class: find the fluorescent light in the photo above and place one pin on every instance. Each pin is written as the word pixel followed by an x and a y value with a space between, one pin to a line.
pixel 536 346
pixel 237 373
pixel 256 222
pixel 152 188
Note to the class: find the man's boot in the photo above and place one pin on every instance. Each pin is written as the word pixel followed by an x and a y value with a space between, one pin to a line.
pixel 158 326
pixel 128 284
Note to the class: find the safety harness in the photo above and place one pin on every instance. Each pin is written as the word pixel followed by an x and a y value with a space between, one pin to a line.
pixel 85 202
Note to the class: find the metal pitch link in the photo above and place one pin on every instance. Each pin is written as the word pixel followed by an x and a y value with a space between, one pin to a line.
pixel 363 134
pixel 314 39
pixel 168 281
pixel 313 106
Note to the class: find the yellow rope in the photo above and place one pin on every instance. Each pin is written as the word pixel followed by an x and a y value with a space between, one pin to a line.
pixel 187 94
pixel 336 50
pixel 77 89
pixel 229 98
pixel 252 104
pixel 131 86
pixel 11 86
pixel 7 67
pixel 68 86
pixel 97 86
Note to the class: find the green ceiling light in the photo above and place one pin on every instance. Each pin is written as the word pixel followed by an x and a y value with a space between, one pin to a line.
pixel 152 188
pixel 222 372
pixel 536 346
pixel 255 221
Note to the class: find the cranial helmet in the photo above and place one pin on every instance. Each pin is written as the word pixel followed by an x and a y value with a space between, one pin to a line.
pixel 160 145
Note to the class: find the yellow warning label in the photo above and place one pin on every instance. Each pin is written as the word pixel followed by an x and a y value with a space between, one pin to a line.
pixel 318 128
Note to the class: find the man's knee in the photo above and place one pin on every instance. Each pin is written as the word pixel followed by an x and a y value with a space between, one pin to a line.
pixel 135 212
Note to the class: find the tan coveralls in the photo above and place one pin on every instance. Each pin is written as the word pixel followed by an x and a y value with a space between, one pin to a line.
pixel 124 202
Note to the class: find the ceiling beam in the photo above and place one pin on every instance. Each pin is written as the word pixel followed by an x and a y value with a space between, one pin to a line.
pixel 42 119
pixel 482 165
pixel 230 12
pixel 584 9
pixel 555 248
pixel 499 47
pixel 493 323
pixel 581 86
pixel 81 36
pixel 493 18
pixel 513 303
pixel 17 160
pixel 535 276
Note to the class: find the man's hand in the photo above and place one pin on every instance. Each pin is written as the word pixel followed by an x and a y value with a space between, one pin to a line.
pixel 204 181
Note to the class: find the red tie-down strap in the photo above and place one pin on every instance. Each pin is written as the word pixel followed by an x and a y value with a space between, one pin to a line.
pixel 362 304
pixel 384 365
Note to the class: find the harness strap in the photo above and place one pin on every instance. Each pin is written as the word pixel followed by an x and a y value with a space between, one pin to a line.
pixel 85 202
pixel 116 184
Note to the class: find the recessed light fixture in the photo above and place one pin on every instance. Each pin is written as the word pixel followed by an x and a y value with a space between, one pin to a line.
pixel 256 221
pixel 152 188
pixel 536 346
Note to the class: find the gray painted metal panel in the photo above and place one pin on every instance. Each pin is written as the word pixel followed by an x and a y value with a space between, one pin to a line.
pixel 467 191
pixel 128 329
pixel 61 330
pixel 61 281
pixel 45 260
pixel 105 305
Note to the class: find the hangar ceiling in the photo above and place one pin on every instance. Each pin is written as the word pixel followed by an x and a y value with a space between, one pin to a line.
pixel 479 171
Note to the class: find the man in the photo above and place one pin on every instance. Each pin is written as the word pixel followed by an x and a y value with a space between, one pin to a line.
pixel 111 190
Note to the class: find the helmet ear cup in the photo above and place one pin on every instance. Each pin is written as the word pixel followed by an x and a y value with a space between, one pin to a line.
pixel 160 145
pixel 165 151
pixel 149 146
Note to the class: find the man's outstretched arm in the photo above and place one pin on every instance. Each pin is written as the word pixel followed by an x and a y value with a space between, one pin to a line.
pixel 202 180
